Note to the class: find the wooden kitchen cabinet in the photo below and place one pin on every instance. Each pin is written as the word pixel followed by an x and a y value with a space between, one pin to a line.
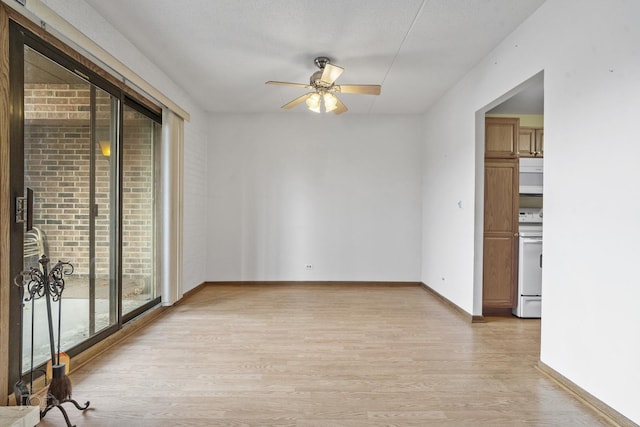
pixel 498 274
pixel 501 137
pixel 500 254
pixel 531 142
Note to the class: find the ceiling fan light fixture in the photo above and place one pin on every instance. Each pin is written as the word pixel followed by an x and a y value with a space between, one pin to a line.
pixel 313 102
pixel 330 102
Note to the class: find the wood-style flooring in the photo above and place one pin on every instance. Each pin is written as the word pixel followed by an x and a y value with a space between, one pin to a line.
pixel 331 355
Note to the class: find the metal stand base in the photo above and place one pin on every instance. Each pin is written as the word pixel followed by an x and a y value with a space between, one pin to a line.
pixel 58 405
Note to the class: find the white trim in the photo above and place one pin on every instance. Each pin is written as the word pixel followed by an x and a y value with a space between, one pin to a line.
pixel 48 19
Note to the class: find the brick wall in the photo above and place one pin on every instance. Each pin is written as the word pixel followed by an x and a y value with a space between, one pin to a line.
pixel 137 198
pixel 57 166
pixel 61 101
pixel 57 170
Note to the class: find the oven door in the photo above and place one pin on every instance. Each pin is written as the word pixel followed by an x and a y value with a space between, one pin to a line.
pixel 530 266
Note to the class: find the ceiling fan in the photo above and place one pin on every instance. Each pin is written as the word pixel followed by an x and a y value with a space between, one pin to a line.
pixel 322 97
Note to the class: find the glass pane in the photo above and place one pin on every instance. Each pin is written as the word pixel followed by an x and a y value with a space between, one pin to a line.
pixel 138 210
pixel 102 284
pixel 72 184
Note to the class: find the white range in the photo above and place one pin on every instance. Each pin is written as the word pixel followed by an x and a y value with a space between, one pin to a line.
pixel 529 296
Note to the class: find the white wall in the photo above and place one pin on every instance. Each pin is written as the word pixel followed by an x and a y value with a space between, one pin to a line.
pixel 84 18
pixel 339 192
pixel 195 216
pixel 590 55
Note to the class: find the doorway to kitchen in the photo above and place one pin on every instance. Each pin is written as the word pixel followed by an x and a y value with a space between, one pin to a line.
pixel 504 128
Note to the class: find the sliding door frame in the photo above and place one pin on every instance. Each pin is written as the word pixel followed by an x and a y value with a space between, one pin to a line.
pixel 5 206
pixel 16 174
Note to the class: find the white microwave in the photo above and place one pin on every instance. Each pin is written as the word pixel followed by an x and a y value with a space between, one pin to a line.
pixel 531 175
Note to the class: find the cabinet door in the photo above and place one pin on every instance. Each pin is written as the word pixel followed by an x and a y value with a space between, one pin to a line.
pixel 501 137
pixel 500 234
pixel 527 142
pixel 499 273
pixel 531 142
pixel 540 142
pixel 500 196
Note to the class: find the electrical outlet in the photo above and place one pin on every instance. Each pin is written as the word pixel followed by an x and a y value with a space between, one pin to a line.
pixel 308 266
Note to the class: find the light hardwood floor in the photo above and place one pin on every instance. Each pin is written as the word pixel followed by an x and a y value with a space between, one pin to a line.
pixel 310 355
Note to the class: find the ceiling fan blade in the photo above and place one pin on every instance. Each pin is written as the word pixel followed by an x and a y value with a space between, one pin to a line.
pixel 330 73
pixel 271 82
pixel 359 89
pixel 297 101
pixel 340 107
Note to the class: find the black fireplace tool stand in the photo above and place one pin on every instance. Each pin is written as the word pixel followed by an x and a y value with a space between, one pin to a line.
pixel 39 283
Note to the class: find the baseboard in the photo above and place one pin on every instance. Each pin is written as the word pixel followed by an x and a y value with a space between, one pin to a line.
pixel 459 311
pixel 308 282
pixel 499 312
pixel 605 411
pixel 191 292
pixel 478 319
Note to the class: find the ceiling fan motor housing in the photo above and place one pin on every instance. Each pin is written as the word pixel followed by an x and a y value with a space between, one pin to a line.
pixel 321 61
pixel 316 81
pixel 316 78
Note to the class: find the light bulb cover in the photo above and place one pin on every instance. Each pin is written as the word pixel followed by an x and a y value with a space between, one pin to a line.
pixel 313 101
pixel 330 102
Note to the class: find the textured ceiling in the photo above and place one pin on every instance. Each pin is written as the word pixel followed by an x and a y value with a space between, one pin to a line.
pixel 222 51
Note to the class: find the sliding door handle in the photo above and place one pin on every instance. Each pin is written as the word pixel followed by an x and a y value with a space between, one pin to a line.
pixel 24 209
pixel 21 209
pixel 29 209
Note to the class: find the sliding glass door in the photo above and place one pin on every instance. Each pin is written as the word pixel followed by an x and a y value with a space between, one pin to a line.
pixel 84 162
pixel 67 123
